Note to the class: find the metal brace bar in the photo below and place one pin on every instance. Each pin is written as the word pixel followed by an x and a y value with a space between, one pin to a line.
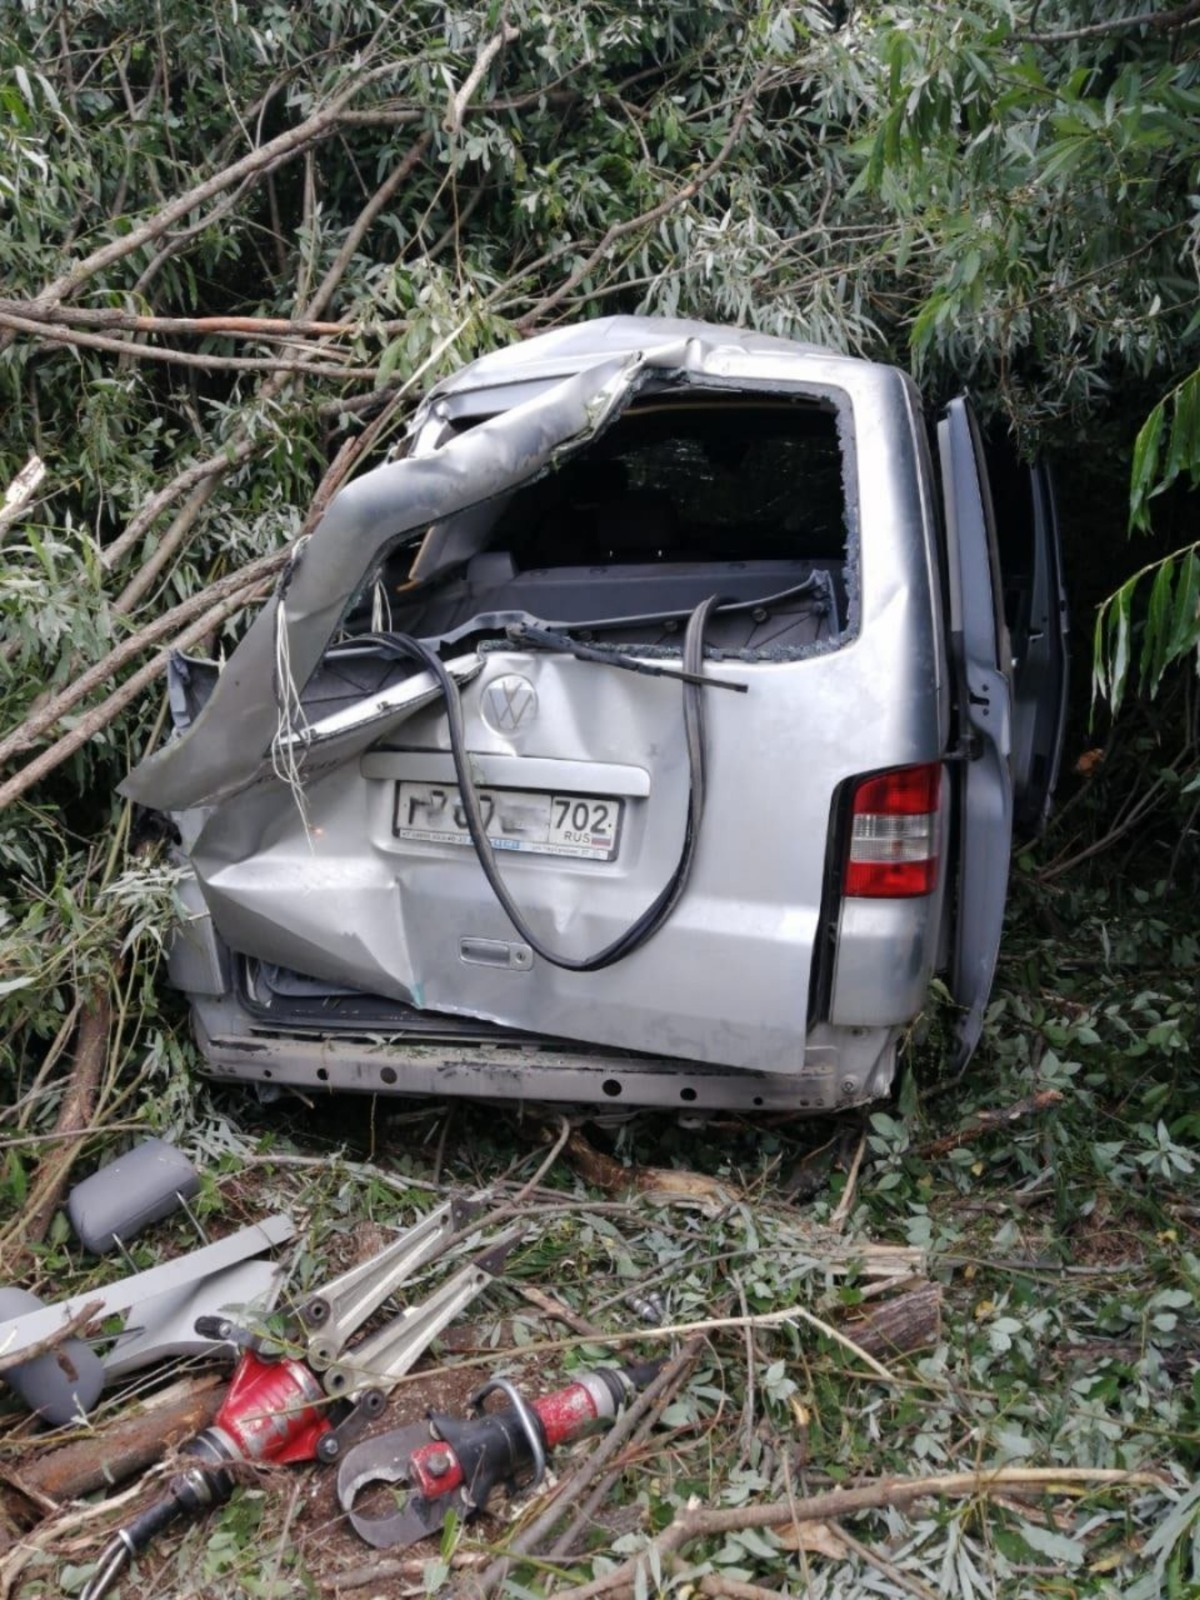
pixel 383 1359
pixel 340 1307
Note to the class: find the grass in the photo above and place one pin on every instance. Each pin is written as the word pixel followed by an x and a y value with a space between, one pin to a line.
pixel 1065 1245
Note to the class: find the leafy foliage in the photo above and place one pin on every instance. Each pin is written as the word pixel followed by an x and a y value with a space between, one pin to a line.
pixel 1177 416
pixel 235 243
pixel 1169 631
pixel 1065 1248
pixel 1167 448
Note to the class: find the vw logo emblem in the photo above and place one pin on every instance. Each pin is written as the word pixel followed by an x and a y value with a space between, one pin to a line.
pixel 509 703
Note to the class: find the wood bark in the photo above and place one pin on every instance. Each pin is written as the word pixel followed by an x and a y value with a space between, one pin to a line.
pixel 894 1327
pixel 129 1445
pixel 74 1116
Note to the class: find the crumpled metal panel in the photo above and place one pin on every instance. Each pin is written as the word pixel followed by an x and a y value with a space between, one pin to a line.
pixel 225 748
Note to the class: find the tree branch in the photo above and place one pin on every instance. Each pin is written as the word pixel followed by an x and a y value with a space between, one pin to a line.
pixel 289 143
pixel 232 455
pixel 74 1115
pixel 838 1503
pixel 241 446
pixel 1185 16
pixel 226 327
pixel 645 1405
pixel 11 1359
pixel 56 334
pixel 363 221
pixel 457 109
pixel 165 550
pixel 234 585
pixel 647 219
pixel 20 492
pixel 100 716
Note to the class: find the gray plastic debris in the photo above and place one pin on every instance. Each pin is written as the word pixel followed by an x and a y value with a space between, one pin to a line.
pixel 143 1186
pixel 61 1385
pixel 124 1297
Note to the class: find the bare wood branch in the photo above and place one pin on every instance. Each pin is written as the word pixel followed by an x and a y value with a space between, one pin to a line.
pixel 876 1558
pixel 904 1323
pixel 196 477
pixel 647 219
pixel 242 445
pixel 181 237
pixel 363 221
pixel 20 492
pixel 723 1588
pixel 129 649
pixel 457 109
pixel 410 1567
pixel 988 1121
pixel 24 1107
pixel 555 1309
pixel 576 1530
pixel 842 1211
pixel 291 142
pixel 57 334
pixel 130 1444
pixel 1185 16
pixel 100 716
pixel 55 1532
pixel 232 455
pixel 530 1537
pixel 202 327
pixel 838 1503
pixel 74 1115
pixel 167 547
pixel 11 1359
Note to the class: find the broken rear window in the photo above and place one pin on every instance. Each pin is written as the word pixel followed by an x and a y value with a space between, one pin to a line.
pixel 677 500
pixel 701 480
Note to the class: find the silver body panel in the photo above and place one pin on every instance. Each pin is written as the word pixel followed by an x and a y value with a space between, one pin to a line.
pixel 758 990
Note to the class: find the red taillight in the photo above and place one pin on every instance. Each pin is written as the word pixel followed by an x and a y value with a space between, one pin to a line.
pixel 894 834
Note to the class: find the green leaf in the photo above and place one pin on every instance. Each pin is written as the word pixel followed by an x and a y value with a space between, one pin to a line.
pixel 1150 475
pixel 1144 472
pixel 1184 630
pixel 390 360
pixel 1056 1546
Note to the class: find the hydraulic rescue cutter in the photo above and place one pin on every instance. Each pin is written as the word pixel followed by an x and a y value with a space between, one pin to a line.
pixel 451 1464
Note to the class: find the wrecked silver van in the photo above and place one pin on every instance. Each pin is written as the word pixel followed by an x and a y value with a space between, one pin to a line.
pixel 652 732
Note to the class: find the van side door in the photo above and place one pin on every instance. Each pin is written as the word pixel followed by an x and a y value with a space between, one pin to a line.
pixel 981 656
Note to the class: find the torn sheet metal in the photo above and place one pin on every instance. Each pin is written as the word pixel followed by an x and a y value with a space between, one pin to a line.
pixel 224 749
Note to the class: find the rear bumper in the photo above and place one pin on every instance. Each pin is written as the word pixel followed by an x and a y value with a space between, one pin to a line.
pixel 843 1067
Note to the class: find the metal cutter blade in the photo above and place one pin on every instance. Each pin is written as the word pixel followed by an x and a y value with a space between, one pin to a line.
pixel 385 1459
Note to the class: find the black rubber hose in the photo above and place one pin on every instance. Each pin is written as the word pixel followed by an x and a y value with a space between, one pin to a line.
pixel 655 914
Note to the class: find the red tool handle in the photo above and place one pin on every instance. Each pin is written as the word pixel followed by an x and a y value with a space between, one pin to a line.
pixel 436 1468
pixel 274 1411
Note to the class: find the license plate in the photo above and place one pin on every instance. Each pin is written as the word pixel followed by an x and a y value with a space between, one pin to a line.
pixel 528 820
